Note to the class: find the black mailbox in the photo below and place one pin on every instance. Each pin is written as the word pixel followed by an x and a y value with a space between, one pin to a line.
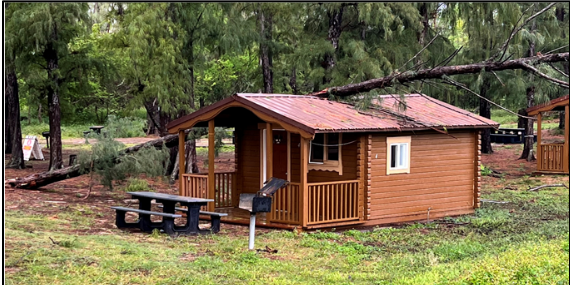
pixel 261 202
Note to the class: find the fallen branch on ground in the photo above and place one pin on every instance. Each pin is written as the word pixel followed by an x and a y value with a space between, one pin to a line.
pixel 547 185
pixel 37 180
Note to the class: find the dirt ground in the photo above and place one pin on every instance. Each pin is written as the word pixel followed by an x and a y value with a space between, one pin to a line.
pixel 69 195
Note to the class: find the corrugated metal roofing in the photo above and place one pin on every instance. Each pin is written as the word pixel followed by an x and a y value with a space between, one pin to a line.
pixel 321 115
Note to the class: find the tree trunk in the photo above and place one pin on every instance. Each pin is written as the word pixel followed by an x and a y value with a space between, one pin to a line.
pixel 13 120
pixel 529 126
pixel 56 160
pixel 265 23
pixel 425 23
pixel 335 29
pixel 560 17
pixel 40 113
pixel 485 111
pixel 7 134
pixel 191 159
pixel 293 81
pixel 37 180
pixel 153 119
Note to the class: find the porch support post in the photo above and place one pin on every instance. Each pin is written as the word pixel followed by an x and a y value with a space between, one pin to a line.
pixel 211 170
pixel 181 162
pixel 539 142
pixel 269 158
pixel 288 156
pixel 269 148
pixel 303 188
pixel 566 136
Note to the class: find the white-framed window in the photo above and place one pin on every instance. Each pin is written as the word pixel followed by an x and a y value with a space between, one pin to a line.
pixel 399 154
pixel 325 152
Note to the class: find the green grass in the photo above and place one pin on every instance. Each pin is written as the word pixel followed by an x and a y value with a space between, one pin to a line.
pixel 204 150
pixel 522 242
pixel 67 131
pixel 121 128
pixel 508 120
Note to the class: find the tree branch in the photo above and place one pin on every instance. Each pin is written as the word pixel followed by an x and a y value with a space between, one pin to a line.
pixel 512 34
pixel 559 71
pixel 504 46
pixel 438 72
pixel 437 35
pixel 548 185
pixel 553 80
pixel 457 84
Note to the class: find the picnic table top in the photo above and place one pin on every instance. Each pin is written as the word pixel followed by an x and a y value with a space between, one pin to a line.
pixel 169 197
pixel 511 129
pixel 96 127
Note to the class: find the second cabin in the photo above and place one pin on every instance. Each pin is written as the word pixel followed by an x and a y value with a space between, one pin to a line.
pixel 396 161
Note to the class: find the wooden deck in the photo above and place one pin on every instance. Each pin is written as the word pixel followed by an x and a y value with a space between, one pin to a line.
pixel 241 217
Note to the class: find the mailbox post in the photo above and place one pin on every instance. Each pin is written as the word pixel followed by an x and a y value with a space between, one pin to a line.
pixel 259 203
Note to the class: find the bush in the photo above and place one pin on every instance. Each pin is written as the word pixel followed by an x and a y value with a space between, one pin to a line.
pixel 136 184
pixel 128 127
pixel 110 167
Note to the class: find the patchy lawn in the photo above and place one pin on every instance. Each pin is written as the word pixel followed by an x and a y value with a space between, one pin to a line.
pixel 55 236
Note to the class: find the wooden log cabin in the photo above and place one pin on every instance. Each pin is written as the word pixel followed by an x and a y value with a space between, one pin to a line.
pixel 345 166
pixel 551 157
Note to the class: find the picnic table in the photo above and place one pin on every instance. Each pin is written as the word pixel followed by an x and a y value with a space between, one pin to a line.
pixel 96 129
pixel 168 213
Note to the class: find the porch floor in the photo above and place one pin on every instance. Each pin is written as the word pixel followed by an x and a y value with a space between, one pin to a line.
pixel 241 217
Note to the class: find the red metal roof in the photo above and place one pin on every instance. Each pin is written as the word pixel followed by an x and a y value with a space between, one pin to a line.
pixel 560 101
pixel 321 115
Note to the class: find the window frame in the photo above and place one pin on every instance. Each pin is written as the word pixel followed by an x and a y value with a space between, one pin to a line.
pixel 326 164
pixel 398 141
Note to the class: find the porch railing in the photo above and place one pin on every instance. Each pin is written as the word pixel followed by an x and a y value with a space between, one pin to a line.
pixel 196 185
pixel 225 188
pixel 285 208
pixel 551 157
pixel 333 202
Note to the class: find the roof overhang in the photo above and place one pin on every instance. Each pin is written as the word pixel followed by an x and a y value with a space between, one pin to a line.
pixel 210 112
pixel 549 106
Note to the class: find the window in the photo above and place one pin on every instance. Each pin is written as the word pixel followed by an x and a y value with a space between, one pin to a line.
pixel 325 153
pixel 398 155
pixel 324 147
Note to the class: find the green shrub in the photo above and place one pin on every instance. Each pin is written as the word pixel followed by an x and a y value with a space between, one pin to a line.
pixel 129 127
pixel 110 167
pixel 136 184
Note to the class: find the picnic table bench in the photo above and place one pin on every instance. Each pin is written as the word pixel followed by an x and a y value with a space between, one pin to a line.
pixel 215 217
pixel 168 214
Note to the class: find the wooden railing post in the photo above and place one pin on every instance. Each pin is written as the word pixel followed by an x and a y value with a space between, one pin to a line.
pixel 538 142
pixel 303 192
pixel 181 162
pixel 211 169
pixel 566 136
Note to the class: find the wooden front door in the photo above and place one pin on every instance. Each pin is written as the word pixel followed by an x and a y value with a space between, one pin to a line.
pixel 280 154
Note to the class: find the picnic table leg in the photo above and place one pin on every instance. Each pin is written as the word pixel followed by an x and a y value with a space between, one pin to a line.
pixel 193 218
pixel 145 223
pixel 168 223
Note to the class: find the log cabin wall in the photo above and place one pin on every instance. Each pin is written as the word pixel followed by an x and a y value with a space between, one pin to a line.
pixel 442 178
pixel 248 168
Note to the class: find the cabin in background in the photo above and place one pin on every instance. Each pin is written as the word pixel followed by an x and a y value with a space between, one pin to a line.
pixel 395 161
pixel 552 158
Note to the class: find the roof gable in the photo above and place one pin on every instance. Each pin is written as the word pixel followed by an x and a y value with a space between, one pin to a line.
pixel 316 115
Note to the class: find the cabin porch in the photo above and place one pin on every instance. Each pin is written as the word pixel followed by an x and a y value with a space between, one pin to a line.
pixel 318 195
pixel 552 158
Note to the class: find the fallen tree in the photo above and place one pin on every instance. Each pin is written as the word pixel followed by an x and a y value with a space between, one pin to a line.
pixel 37 180
pixel 443 71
